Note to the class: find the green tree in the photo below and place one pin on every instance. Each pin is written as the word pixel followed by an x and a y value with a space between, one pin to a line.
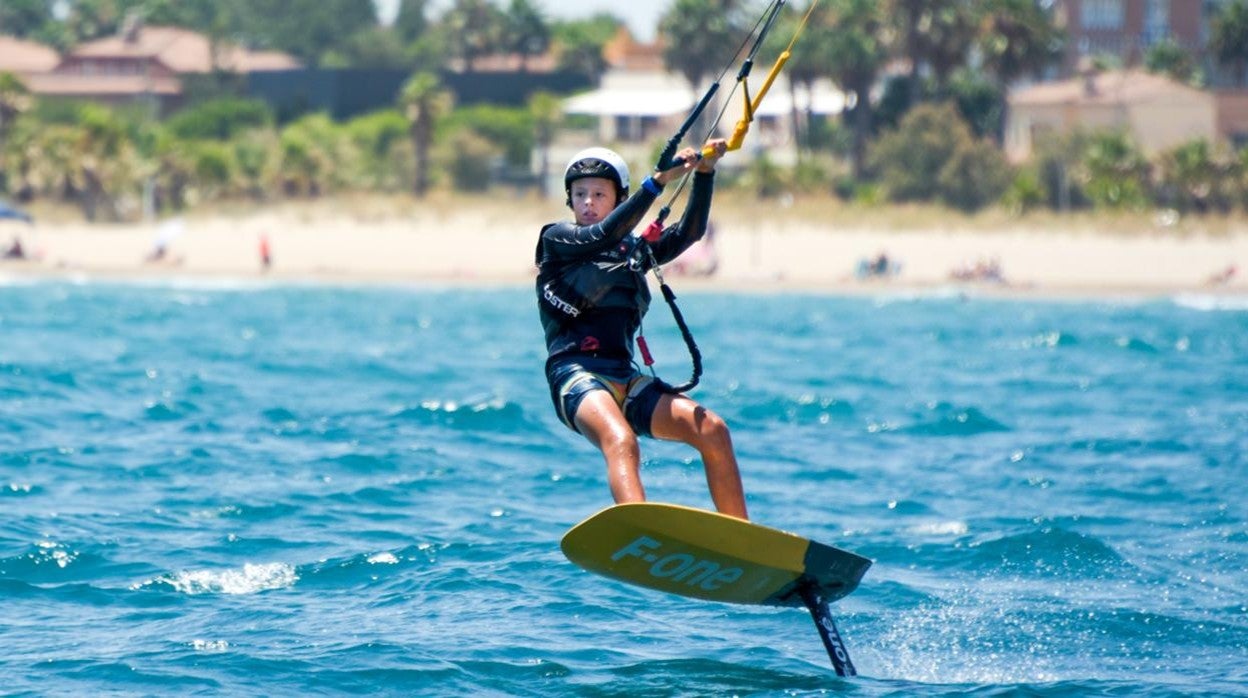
pixel 909 159
pixel 979 100
pixel 14 100
pixel 1168 58
pixel 220 119
pixel 254 155
pixel 425 49
pixel 307 29
pixel 933 155
pixel 935 34
pixel 467 155
pixel 1114 172
pixel 947 39
pixel 23 18
pixel 849 39
pixel 1228 38
pixel 312 158
pixel 578 45
pixel 370 47
pixel 525 31
pixel 105 162
pixel 378 137
pixel 1016 38
pixel 424 102
pixel 1195 178
pixel 474 28
pixel 509 129
pixel 975 176
pixel 412 21
pixel 213 168
pixel 92 19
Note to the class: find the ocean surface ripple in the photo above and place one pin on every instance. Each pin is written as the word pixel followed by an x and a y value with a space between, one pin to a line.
pixel 215 488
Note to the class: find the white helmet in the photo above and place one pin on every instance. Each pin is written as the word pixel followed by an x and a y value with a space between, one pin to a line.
pixel 597 162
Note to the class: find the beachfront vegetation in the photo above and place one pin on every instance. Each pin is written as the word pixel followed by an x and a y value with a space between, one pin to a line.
pixel 929 134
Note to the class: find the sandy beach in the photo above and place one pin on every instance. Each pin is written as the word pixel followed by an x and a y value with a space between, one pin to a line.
pixel 490 241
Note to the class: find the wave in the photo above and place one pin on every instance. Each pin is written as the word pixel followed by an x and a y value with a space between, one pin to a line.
pixel 1050 340
pixel 20 489
pixel 944 419
pixel 77 593
pixel 248 579
pixel 471 415
pixel 802 409
pixel 1050 551
pixel 1208 302
pixel 51 561
pixel 366 567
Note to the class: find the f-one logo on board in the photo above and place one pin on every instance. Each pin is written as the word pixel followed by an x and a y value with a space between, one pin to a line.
pixel 679 567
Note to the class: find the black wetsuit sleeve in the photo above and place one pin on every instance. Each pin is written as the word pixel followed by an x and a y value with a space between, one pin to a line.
pixel 692 225
pixel 568 240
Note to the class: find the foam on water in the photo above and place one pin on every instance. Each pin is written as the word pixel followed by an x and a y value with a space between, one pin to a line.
pixel 249 579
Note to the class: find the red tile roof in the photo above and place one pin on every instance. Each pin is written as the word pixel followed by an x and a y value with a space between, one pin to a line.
pixel 1109 87
pixel 183 51
pixel 24 57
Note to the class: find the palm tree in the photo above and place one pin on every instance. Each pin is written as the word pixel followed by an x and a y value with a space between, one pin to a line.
pixel 909 15
pixel 850 42
pixel 1196 176
pixel 525 31
pixel 1016 37
pixel 23 18
pixel 1228 40
pixel 699 38
pixel 946 38
pixel 14 99
pixel 474 27
pixel 579 44
pixel 1169 58
pixel 106 162
pixel 935 34
pixel 411 22
pixel 424 101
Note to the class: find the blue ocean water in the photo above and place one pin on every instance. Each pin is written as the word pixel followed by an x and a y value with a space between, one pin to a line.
pixel 225 488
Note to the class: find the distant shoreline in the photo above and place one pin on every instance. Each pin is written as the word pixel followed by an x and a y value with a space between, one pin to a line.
pixel 490 241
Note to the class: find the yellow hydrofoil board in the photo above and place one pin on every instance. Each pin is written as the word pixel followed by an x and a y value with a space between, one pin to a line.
pixel 705 555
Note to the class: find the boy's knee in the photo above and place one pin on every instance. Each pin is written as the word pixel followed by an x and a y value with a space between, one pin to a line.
pixel 620 437
pixel 712 427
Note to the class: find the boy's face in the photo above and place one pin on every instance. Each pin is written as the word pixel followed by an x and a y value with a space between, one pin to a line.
pixel 592 199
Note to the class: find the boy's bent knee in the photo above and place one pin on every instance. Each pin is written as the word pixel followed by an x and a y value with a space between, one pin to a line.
pixel 709 422
pixel 618 437
pixel 711 427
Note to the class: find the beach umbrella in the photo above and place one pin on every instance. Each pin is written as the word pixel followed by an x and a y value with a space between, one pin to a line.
pixel 7 211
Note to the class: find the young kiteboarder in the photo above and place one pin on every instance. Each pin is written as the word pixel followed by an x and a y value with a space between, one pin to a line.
pixel 592 294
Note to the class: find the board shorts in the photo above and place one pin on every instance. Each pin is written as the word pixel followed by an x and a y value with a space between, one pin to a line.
pixel 573 377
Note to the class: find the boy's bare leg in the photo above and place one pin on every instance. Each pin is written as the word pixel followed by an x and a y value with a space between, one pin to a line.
pixel 602 422
pixel 678 418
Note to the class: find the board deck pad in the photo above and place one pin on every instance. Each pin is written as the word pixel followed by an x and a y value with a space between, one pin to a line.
pixel 706 555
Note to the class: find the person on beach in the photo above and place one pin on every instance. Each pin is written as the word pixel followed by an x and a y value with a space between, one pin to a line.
pixel 592 294
pixel 266 254
pixel 15 251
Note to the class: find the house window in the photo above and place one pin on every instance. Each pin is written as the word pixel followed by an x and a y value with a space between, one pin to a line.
pixel 1102 14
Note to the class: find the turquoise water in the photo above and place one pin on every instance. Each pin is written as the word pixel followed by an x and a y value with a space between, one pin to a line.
pixel 290 490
